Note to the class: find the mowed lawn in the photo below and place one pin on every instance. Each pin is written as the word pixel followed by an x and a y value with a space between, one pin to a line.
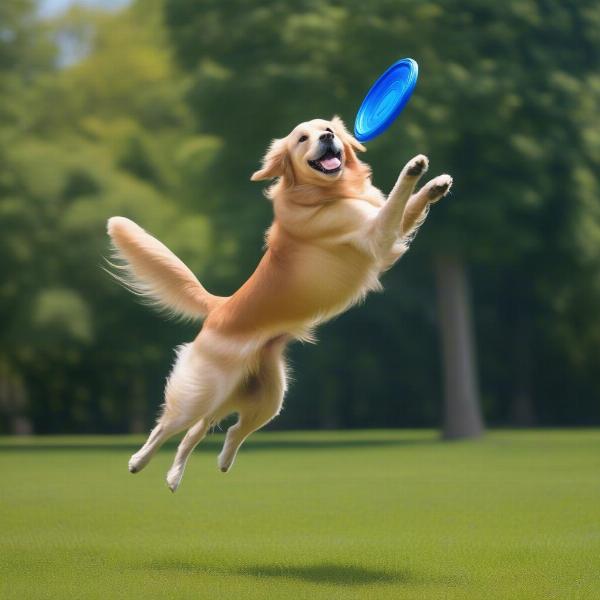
pixel 369 514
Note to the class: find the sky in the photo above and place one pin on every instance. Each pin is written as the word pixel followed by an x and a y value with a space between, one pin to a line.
pixel 69 53
pixel 54 7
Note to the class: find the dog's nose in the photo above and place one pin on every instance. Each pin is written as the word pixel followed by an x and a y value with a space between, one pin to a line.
pixel 326 137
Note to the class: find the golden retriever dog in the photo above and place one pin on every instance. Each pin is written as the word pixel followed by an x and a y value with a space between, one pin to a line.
pixel 332 236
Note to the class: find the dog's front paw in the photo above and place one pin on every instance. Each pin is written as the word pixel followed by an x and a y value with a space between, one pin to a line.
pixel 437 188
pixel 417 166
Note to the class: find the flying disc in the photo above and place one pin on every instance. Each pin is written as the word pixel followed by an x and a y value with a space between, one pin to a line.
pixel 386 99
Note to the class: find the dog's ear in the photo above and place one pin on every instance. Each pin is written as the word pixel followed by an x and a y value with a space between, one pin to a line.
pixel 275 162
pixel 345 135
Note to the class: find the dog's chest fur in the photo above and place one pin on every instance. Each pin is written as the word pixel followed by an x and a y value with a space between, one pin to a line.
pixel 317 264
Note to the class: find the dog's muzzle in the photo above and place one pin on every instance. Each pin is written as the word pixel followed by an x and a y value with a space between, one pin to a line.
pixel 329 159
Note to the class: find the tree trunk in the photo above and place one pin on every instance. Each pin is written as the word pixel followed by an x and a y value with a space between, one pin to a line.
pixel 13 401
pixel 462 414
pixel 522 408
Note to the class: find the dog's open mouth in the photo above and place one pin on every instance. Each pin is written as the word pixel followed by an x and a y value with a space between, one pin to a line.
pixel 330 162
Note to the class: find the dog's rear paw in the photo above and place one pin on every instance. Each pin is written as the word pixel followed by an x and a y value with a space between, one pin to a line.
pixel 137 462
pixel 174 477
pixel 437 188
pixel 224 462
pixel 417 166
pixel 133 465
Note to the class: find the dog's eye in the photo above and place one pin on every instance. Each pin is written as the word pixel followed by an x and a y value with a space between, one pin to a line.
pixel 303 139
pixel 327 129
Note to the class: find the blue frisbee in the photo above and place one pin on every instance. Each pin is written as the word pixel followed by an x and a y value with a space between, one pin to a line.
pixel 386 99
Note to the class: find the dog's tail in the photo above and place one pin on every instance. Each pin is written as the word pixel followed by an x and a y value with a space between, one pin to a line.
pixel 149 269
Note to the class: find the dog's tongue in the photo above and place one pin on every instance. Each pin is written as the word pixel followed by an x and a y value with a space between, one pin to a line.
pixel 331 163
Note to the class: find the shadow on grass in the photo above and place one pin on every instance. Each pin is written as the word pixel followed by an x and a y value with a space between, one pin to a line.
pixel 328 573
pixel 322 573
pixel 216 445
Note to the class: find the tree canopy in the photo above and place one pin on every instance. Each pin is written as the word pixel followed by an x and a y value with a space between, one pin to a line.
pixel 161 111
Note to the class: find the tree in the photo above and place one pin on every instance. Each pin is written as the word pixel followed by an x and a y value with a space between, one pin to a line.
pixel 506 102
pixel 25 52
pixel 495 77
pixel 73 343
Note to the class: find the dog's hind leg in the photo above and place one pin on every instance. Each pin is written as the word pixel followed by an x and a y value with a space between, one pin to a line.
pixel 259 412
pixel 192 438
pixel 196 385
pixel 260 399
pixel 166 428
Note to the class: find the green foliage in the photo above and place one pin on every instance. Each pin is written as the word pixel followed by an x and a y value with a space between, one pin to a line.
pixel 94 147
pixel 505 102
pixel 166 124
pixel 58 312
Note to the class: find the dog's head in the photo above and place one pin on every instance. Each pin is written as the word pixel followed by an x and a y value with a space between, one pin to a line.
pixel 317 153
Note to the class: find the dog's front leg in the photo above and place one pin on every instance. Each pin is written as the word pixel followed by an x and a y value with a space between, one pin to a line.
pixel 387 223
pixel 418 205
pixel 415 213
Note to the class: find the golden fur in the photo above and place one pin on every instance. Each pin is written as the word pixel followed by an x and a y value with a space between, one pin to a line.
pixel 332 235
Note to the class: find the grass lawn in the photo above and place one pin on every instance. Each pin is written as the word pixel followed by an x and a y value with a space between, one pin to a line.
pixel 367 514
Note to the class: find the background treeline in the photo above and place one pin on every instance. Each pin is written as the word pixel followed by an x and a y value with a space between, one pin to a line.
pixel 161 111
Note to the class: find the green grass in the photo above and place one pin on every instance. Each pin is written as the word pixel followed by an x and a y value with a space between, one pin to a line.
pixel 386 514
